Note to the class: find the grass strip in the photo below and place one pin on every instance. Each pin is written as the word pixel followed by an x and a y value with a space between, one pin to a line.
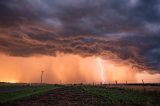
pixel 30 91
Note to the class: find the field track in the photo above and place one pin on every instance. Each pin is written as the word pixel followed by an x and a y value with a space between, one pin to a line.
pixel 89 95
pixel 66 96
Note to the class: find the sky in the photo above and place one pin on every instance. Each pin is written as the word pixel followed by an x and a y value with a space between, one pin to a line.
pixel 65 37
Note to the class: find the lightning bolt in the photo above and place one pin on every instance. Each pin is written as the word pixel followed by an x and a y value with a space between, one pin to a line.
pixel 99 61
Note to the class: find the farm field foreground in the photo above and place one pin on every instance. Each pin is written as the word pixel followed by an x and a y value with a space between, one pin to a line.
pixel 77 95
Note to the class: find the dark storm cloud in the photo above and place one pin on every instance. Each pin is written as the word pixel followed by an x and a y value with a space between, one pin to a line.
pixel 126 30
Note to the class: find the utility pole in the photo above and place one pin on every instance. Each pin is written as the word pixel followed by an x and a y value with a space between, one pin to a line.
pixel 143 82
pixel 116 82
pixel 143 85
pixel 42 76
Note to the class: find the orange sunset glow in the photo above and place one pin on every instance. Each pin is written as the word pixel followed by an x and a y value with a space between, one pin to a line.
pixel 66 68
pixel 84 41
pixel 79 52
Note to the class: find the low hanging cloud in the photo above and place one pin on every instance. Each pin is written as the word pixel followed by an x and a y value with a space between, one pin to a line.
pixel 123 30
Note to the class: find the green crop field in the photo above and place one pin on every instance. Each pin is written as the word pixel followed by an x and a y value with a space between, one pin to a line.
pixel 76 95
pixel 122 96
pixel 9 93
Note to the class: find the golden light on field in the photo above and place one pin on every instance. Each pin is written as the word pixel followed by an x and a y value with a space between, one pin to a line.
pixel 12 81
pixel 67 68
